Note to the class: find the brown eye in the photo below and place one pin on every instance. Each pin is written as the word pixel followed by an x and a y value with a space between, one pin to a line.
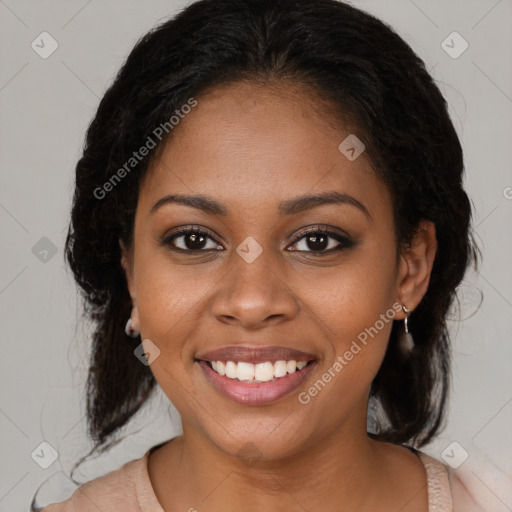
pixel 322 241
pixel 192 240
pixel 317 242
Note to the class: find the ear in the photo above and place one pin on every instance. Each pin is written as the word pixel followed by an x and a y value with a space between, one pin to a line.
pixel 415 266
pixel 127 264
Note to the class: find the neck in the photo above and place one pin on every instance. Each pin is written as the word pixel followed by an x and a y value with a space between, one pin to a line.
pixel 341 468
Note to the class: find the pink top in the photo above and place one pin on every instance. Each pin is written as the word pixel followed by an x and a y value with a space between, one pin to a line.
pixel 129 489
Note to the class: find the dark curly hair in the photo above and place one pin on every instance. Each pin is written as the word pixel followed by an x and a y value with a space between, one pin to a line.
pixel 368 75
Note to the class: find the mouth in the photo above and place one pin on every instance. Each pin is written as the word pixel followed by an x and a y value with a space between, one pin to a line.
pixel 256 376
pixel 267 371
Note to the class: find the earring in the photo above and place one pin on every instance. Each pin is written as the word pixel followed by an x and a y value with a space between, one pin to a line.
pixel 406 342
pixel 129 330
pixel 407 311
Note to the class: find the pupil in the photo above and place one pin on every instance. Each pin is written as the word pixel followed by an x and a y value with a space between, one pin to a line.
pixel 194 241
pixel 320 241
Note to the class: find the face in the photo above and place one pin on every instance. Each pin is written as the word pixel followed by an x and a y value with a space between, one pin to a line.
pixel 300 291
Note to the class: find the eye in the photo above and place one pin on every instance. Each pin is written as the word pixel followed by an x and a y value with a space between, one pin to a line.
pixel 192 239
pixel 319 239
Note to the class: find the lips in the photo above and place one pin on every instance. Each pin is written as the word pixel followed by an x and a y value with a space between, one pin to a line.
pixel 251 391
pixel 251 354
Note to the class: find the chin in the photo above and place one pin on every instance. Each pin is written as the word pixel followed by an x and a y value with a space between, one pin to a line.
pixel 262 439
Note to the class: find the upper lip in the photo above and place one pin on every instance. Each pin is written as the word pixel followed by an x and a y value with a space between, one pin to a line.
pixel 255 354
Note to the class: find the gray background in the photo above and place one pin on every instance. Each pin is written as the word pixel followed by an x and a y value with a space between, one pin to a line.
pixel 46 105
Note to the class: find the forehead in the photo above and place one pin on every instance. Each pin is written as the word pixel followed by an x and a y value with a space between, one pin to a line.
pixel 252 143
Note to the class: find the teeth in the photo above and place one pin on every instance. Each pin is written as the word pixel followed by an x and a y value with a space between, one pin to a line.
pixel 280 368
pixel 260 372
pixel 231 370
pixel 264 371
pixel 245 371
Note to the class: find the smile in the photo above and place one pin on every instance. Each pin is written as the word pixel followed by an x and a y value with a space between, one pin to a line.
pixel 260 383
pixel 260 372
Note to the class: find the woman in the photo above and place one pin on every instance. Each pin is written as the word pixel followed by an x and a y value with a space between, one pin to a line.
pixel 269 222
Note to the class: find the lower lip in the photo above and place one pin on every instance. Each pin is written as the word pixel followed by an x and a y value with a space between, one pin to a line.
pixel 256 393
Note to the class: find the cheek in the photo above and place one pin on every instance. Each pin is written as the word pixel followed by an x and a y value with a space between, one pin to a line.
pixel 354 306
pixel 356 313
pixel 352 296
pixel 170 299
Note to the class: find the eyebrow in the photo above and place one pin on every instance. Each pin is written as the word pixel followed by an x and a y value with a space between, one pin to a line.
pixel 309 201
pixel 291 206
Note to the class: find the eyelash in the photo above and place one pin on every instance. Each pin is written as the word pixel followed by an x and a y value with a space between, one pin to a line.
pixel 345 242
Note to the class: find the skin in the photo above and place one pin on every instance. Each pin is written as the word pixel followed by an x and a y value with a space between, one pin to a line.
pixel 250 147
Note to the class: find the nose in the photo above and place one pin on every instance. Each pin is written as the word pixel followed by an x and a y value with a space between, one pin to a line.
pixel 253 295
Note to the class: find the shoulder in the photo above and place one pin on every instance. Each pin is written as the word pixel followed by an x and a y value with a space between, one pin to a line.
pixel 127 488
pixel 459 490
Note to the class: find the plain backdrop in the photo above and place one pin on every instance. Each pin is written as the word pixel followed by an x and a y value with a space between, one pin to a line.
pixel 46 105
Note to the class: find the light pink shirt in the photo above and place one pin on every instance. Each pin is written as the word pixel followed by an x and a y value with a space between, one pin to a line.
pixel 129 489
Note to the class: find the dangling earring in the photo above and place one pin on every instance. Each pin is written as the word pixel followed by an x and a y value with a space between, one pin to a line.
pixel 129 330
pixel 406 341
